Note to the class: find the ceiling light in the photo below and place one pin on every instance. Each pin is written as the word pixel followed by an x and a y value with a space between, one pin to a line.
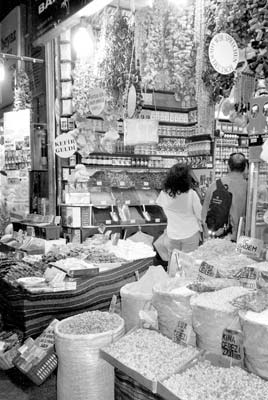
pixel 83 40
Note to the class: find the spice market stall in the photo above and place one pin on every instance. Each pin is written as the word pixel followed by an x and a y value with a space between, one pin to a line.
pixel 29 302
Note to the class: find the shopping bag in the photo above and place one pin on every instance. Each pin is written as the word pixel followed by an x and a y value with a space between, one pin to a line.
pixel 160 246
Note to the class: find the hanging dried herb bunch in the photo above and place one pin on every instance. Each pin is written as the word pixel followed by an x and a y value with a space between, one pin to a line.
pixel 22 91
pixel 117 62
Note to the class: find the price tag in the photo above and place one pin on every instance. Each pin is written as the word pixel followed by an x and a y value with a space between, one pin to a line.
pixel 232 344
pixel 127 202
pixel 145 183
pixel 132 221
pixel 183 332
pixel 250 246
pixel 113 304
pixel 157 220
pixel 206 271
pixel 122 183
pixel 103 202
pixel 99 183
pixel 47 338
pixel 152 201
pixel 108 222
pixel 248 277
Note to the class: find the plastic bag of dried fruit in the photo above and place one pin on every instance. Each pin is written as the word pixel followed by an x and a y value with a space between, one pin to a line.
pixel 135 295
pixel 172 302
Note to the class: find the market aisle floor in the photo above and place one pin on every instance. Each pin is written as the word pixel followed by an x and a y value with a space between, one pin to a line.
pixel 13 386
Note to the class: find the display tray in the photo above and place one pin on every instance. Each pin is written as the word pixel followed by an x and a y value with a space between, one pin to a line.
pixel 101 198
pixel 32 252
pixel 156 213
pixel 126 196
pixel 148 383
pixel 102 215
pixel 147 196
pixel 215 359
pixel 75 272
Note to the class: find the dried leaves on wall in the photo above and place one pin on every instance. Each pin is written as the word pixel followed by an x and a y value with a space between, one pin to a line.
pixel 164 36
pixel 113 69
pixel 247 22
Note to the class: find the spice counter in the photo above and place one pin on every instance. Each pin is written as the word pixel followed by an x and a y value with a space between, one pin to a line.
pixel 32 312
pixel 121 201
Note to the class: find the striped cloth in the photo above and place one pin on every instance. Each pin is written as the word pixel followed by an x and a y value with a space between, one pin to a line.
pixel 32 313
pixel 127 388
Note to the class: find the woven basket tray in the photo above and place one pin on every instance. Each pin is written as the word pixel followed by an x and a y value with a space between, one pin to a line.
pixel 40 372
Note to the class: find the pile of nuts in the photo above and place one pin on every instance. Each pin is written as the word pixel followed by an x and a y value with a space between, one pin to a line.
pixel 205 382
pixel 91 322
pixel 151 354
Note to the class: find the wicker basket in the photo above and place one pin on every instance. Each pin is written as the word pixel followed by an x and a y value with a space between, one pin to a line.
pixel 41 371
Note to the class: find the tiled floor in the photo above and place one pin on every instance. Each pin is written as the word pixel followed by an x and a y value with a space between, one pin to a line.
pixel 13 386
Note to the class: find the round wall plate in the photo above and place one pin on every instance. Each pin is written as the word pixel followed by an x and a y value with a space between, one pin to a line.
pixel 223 53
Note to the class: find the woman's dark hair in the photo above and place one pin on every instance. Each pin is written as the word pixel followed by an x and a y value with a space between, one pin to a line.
pixel 178 180
pixel 237 162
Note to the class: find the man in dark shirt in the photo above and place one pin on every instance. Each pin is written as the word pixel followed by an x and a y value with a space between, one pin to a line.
pixel 237 185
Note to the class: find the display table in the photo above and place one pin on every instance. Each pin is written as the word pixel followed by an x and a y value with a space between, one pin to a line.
pixel 32 312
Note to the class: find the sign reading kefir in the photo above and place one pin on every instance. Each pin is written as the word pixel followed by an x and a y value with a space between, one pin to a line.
pixel 65 145
pixel 223 53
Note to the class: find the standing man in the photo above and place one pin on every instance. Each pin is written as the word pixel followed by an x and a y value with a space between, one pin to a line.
pixel 237 186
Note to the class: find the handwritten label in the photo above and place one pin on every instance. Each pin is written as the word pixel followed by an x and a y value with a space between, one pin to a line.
pixel 232 344
pixel 248 277
pixel 47 338
pixel 182 333
pixel 250 246
pixel 206 271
